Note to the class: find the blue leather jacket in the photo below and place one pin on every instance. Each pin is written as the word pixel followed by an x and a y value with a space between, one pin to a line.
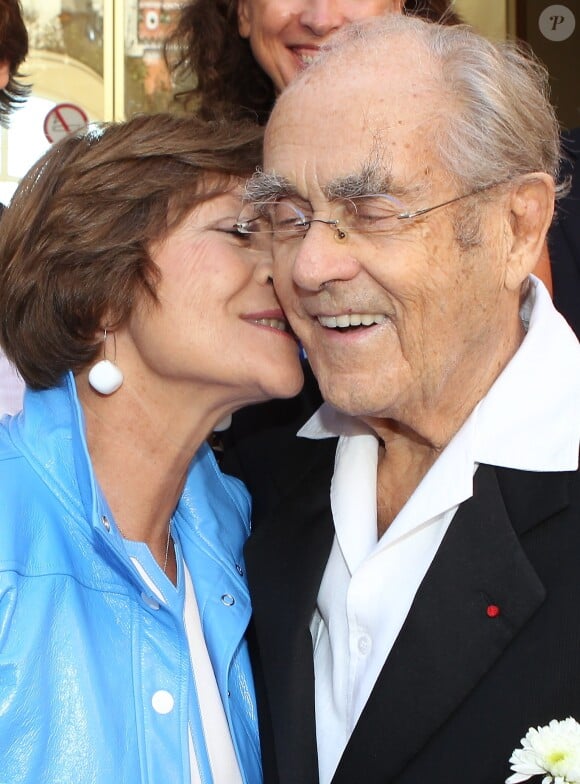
pixel 84 645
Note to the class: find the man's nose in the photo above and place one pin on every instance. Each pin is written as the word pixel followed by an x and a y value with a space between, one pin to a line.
pixel 319 259
pixel 322 17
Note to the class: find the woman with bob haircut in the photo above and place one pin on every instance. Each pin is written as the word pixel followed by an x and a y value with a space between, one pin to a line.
pixel 140 319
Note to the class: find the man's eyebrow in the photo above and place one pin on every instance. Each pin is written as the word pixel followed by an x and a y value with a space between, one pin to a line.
pixel 363 183
pixel 372 179
pixel 264 186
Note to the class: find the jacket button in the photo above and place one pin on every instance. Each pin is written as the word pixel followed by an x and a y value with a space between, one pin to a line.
pixel 228 600
pixel 162 702
pixel 150 601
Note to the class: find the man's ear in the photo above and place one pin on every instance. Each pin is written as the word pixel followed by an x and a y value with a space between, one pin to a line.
pixel 531 206
pixel 244 24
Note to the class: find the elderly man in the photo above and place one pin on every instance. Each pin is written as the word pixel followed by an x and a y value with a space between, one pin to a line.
pixel 416 584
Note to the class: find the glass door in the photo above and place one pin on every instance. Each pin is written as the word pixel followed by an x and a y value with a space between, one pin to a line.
pixel 89 60
pixel 66 67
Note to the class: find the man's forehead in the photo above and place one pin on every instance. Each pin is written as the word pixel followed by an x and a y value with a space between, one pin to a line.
pixel 318 135
pixel 383 95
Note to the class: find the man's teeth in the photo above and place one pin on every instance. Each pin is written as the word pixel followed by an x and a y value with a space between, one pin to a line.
pixel 274 323
pixel 307 59
pixel 352 320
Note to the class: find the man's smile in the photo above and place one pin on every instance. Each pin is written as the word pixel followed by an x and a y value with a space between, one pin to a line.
pixel 351 320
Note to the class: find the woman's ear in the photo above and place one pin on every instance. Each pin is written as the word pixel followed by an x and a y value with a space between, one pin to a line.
pixel 244 23
pixel 531 208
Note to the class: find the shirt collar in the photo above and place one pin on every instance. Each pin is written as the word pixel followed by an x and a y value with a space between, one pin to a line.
pixel 529 419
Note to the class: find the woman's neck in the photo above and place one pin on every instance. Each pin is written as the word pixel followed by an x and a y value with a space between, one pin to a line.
pixel 141 450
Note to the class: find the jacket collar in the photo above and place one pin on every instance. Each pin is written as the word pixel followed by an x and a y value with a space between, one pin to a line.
pixel 50 433
pixel 285 560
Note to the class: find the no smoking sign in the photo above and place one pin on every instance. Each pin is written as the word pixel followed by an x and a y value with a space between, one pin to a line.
pixel 62 119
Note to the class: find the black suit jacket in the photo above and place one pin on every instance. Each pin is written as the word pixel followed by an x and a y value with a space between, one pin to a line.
pixel 564 238
pixel 460 688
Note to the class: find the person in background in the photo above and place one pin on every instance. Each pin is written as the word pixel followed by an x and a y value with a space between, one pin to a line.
pixel 139 317
pixel 413 565
pixel 13 93
pixel 13 51
pixel 242 53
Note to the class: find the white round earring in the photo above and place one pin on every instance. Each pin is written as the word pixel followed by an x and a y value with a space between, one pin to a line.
pixel 104 376
pixel 223 424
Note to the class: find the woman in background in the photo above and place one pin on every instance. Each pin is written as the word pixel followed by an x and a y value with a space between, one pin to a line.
pixel 242 53
pixel 139 318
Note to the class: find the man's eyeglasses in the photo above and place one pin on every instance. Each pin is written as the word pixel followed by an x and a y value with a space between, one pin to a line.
pixel 371 214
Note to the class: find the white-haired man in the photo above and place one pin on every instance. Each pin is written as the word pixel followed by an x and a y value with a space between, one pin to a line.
pixel 416 586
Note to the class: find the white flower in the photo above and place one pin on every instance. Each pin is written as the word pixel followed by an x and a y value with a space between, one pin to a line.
pixel 552 751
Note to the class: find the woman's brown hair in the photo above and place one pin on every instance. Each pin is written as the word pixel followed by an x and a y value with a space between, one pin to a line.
pixel 74 246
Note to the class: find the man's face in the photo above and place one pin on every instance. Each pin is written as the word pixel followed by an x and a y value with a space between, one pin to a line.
pixel 434 309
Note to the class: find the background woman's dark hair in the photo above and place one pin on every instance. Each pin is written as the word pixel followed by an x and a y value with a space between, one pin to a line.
pixel 436 10
pixel 13 49
pixel 75 240
pixel 207 50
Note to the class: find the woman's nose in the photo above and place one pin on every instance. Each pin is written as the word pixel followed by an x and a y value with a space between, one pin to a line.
pixel 263 270
pixel 322 17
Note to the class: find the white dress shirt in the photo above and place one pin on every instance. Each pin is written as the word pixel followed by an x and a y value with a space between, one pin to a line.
pixel 529 420
pixel 217 738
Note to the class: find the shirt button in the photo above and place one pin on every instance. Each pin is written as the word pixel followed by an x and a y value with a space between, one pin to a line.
pixel 162 702
pixel 364 644
pixel 228 600
pixel 106 523
pixel 239 570
pixel 150 601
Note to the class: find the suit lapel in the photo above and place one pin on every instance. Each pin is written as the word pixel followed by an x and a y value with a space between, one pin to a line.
pixel 452 635
pixel 285 558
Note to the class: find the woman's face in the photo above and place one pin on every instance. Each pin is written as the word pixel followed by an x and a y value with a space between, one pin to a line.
pixel 217 332
pixel 285 35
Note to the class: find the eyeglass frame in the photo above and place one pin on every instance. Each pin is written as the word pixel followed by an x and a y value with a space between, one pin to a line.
pixel 342 233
